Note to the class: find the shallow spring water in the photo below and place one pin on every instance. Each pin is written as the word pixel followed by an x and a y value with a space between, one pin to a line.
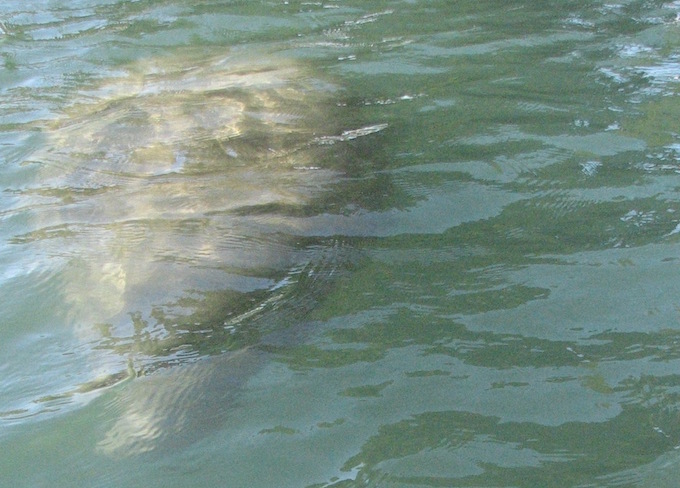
pixel 390 244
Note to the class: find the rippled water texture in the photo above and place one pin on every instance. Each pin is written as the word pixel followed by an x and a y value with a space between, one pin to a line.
pixel 307 244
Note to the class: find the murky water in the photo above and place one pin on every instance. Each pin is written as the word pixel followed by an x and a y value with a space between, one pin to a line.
pixel 305 244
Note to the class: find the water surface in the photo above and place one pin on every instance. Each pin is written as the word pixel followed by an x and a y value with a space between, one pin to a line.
pixel 389 244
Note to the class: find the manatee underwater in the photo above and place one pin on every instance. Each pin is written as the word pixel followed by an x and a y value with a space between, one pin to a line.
pixel 168 210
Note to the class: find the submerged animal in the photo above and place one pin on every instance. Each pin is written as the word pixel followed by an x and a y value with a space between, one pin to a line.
pixel 164 205
pixel 144 190
pixel 177 406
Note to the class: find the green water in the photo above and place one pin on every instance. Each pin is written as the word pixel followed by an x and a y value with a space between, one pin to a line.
pixel 306 244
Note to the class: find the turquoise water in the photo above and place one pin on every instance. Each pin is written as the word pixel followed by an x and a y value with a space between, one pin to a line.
pixel 307 244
